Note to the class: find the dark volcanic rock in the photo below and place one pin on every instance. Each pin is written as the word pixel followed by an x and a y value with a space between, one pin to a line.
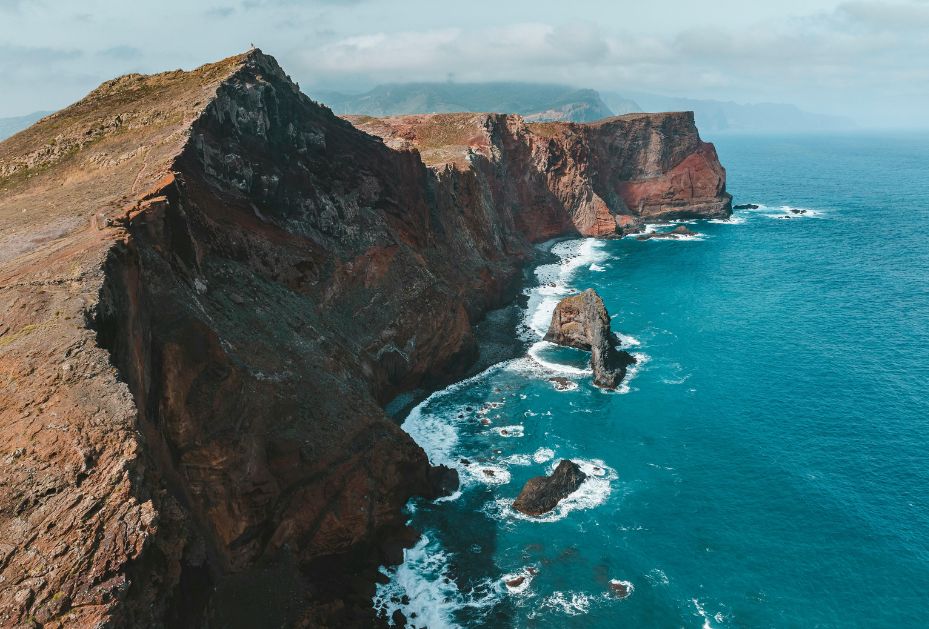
pixel 745 206
pixel 674 233
pixel 581 321
pixel 621 589
pixel 443 480
pixel 542 493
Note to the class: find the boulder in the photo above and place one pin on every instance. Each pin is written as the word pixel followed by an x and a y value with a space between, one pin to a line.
pixel 581 321
pixel 745 206
pixel 621 589
pixel 541 494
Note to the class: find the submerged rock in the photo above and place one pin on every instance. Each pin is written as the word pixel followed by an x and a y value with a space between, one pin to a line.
pixel 621 589
pixel 562 384
pixel 674 233
pixel 581 321
pixel 745 206
pixel 541 494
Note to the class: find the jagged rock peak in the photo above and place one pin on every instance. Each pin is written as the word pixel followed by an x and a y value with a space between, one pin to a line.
pixel 541 494
pixel 581 321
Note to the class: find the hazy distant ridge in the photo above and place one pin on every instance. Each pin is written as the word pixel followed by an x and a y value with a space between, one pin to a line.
pixel 11 126
pixel 539 101
pixel 546 102
pixel 714 116
pixel 535 101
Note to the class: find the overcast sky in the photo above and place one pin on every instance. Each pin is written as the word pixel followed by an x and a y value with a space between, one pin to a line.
pixel 868 60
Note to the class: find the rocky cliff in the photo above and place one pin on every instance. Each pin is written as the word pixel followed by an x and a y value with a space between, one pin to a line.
pixel 598 179
pixel 211 285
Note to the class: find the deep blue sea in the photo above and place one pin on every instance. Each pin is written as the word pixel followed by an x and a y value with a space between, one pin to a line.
pixel 767 464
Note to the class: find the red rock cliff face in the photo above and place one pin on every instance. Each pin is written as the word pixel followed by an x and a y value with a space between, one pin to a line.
pixel 597 179
pixel 212 285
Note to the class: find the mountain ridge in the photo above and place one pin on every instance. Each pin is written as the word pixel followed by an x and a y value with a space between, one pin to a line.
pixel 534 101
pixel 212 287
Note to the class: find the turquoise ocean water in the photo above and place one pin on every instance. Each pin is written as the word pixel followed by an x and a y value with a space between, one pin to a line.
pixel 768 465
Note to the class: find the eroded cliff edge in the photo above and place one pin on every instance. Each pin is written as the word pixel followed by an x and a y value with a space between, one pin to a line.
pixel 211 285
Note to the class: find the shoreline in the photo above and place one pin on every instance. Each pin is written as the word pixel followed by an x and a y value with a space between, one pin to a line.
pixel 496 333
pixel 503 335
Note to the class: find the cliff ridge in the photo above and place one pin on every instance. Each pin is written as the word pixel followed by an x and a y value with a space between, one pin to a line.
pixel 212 285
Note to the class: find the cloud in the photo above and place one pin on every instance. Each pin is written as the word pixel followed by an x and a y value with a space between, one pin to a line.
pixel 885 15
pixel 121 52
pixel 841 55
pixel 856 58
pixel 25 57
pixel 219 12
pixel 12 6
pixel 258 4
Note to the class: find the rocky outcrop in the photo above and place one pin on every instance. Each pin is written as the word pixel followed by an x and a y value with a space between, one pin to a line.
pixel 598 179
pixel 581 321
pixel 678 232
pixel 541 494
pixel 211 286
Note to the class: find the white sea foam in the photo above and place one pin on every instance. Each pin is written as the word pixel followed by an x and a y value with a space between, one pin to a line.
pixel 517 459
pixel 510 431
pixel 790 212
pixel 657 576
pixel 552 280
pixel 679 237
pixel 627 340
pixel 543 455
pixel 640 360
pixel 597 268
pixel 735 219
pixel 487 473
pixel 654 228
pixel 627 584
pixel 719 617
pixel 437 433
pixel 535 351
pixel 455 495
pixel 422 586
pixel 527 574
pixel 571 603
pixel 432 595
pixel 593 492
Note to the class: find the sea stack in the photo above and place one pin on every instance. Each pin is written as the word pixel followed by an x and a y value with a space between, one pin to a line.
pixel 581 321
pixel 541 494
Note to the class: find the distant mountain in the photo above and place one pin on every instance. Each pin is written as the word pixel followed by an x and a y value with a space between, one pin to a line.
pixel 715 116
pixel 534 101
pixel 10 126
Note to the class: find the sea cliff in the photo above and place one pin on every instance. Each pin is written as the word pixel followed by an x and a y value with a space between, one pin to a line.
pixel 211 285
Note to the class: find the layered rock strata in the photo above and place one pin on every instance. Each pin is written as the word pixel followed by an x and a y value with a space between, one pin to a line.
pixel 211 285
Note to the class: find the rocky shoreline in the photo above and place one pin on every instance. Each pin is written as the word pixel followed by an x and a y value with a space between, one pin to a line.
pixel 224 287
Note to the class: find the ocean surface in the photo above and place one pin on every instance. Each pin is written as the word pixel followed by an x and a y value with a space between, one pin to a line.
pixel 767 463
